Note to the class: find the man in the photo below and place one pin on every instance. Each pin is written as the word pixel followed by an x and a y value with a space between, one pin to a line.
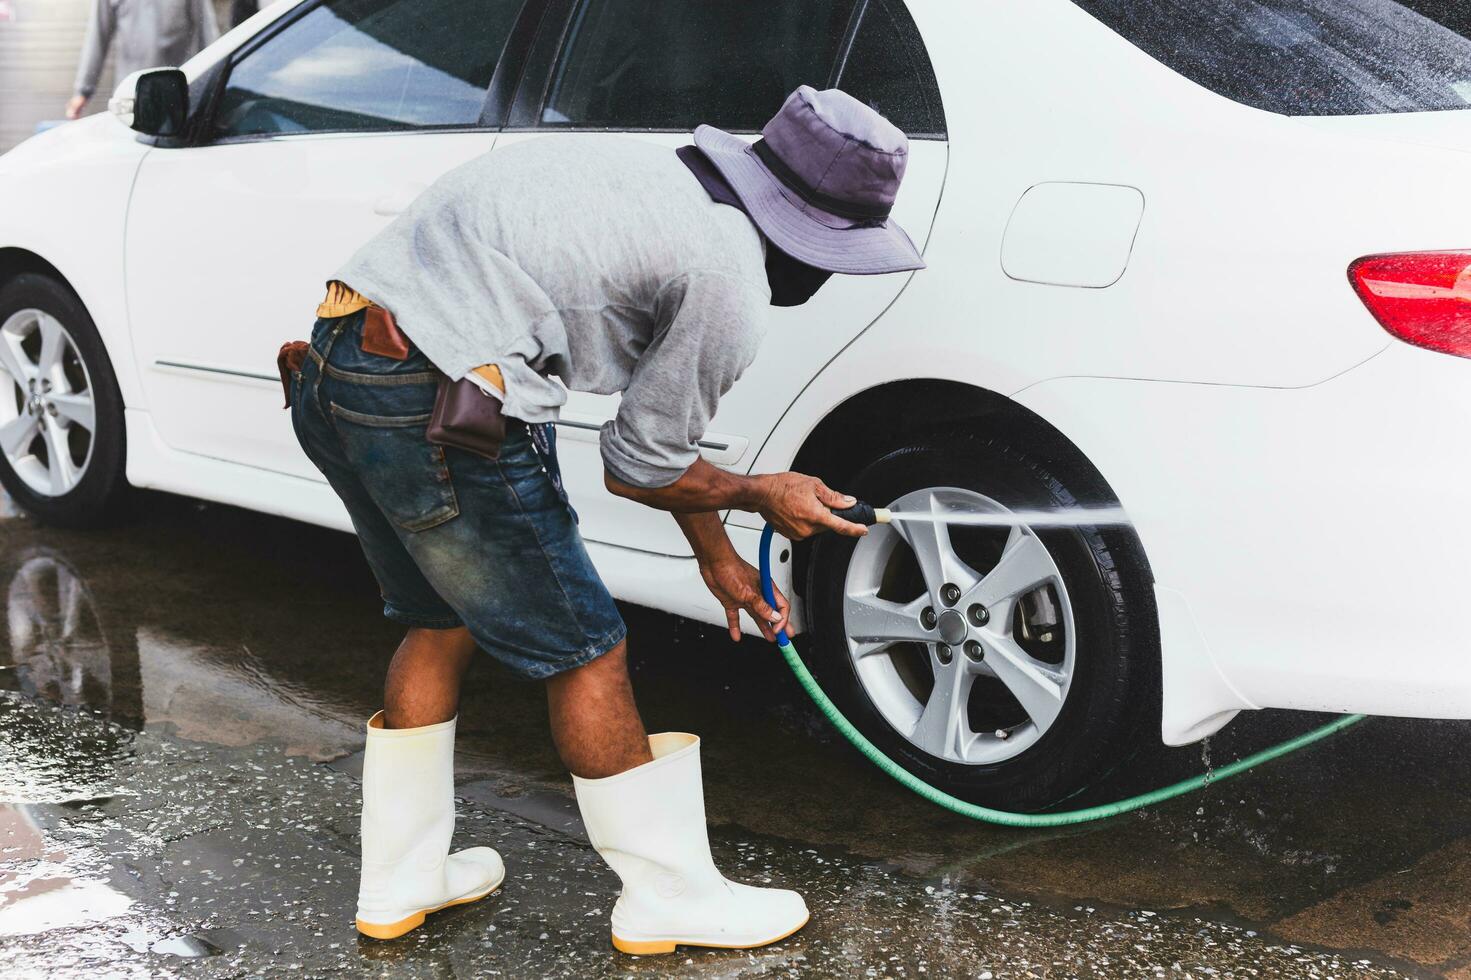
pixel 150 34
pixel 616 266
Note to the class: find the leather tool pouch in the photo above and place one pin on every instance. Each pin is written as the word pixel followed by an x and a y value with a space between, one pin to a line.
pixel 465 417
pixel 288 362
pixel 381 335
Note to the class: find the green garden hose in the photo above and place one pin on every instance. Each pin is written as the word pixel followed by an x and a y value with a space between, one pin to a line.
pixel 1002 817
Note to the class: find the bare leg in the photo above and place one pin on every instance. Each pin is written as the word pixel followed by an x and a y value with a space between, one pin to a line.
pixel 595 723
pixel 423 686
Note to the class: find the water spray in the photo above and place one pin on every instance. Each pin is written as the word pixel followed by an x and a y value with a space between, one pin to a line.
pixel 868 515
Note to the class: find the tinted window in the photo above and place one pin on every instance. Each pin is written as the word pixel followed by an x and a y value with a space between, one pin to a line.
pixel 673 64
pixel 1308 57
pixel 370 65
pixel 887 67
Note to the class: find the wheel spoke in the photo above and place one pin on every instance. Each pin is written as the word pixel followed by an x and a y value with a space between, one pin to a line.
pixel 64 472
pixel 53 343
pixel 938 562
pixel 78 408
pixel 17 434
pixel 1035 686
pixel 943 726
pixel 1024 565
pixel 12 362
pixel 876 624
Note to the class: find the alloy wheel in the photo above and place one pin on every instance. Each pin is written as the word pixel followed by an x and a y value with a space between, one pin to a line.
pixel 48 416
pixel 961 636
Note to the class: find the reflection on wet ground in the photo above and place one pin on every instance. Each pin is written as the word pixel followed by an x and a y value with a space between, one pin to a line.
pixel 193 806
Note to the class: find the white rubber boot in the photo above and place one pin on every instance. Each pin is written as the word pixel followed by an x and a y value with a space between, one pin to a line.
pixel 649 825
pixel 408 819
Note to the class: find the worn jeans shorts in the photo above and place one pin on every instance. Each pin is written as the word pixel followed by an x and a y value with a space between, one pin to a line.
pixel 453 538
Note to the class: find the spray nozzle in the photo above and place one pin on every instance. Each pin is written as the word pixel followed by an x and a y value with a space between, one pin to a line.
pixel 865 514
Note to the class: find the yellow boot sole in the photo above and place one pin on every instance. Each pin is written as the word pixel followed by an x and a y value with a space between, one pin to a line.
pixel 392 930
pixel 655 947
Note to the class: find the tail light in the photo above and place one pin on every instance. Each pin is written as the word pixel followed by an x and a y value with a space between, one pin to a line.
pixel 1423 298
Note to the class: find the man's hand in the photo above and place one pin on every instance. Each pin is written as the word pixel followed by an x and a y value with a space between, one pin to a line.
pixel 738 586
pixel 799 506
pixel 75 105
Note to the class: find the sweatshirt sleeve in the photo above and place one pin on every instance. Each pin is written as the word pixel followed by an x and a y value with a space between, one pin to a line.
pixel 101 23
pixel 716 328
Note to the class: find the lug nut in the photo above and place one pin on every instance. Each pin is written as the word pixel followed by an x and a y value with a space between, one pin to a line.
pixel 944 653
pixel 927 618
pixel 949 593
pixel 979 615
pixel 973 651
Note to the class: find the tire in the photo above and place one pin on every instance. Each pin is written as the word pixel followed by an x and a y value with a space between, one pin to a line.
pixel 91 491
pixel 1101 648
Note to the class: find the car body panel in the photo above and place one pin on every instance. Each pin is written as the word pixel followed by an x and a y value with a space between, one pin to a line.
pixel 1318 534
pixel 64 197
pixel 212 297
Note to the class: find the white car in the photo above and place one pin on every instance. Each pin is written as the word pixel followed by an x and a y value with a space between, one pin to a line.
pixel 1143 221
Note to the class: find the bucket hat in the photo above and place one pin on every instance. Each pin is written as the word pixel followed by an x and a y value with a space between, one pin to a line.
pixel 820 182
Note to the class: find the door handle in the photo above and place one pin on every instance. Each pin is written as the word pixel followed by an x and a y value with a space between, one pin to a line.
pixel 397 200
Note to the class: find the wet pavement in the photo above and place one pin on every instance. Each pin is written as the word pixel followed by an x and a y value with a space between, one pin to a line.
pixel 180 710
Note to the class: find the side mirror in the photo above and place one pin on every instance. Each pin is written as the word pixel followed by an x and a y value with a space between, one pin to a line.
pixel 154 101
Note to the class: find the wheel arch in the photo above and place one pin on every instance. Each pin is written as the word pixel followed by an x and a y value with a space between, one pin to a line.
pixel 104 307
pixel 877 418
pixel 16 261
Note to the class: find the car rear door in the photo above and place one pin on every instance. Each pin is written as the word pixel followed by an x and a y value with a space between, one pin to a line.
pixel 323 129
pixel 655 69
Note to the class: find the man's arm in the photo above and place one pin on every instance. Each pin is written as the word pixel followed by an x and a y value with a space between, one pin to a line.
pixel 731 579
pixel 100 27
pixel 797 505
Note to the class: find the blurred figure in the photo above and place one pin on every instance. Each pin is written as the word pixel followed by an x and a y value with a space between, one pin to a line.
pixel 150 34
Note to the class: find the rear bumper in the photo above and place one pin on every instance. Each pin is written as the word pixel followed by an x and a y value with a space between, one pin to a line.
pixel 1311 546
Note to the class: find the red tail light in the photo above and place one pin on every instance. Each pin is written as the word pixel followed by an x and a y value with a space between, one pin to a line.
pixel 1423 298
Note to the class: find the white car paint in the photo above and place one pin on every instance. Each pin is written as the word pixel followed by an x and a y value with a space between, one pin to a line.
pixel 1264 433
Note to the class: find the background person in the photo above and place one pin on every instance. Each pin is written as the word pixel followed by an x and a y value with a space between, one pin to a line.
pixel 616 266
pixel 148 33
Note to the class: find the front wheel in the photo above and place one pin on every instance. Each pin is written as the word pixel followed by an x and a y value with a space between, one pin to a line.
pixel 62 445
pixel 1007 665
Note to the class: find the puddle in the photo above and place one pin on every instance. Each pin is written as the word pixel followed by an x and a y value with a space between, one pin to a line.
pixel 58 902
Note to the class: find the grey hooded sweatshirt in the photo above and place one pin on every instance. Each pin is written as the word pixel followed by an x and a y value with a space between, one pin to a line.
pixel 149 34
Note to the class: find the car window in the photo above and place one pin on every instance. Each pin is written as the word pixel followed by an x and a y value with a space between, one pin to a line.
pixel 352 65
pixel 1308 57
pixel 887 67
pixel 673 64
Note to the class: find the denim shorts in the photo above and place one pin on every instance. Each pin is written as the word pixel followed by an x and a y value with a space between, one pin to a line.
pixel 453 538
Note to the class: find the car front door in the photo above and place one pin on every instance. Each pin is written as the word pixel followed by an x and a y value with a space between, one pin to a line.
pixel 323 129
pixel 655 69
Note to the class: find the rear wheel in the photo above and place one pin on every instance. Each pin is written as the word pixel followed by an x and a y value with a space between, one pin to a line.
pixel 1008 665
pixel 62 448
